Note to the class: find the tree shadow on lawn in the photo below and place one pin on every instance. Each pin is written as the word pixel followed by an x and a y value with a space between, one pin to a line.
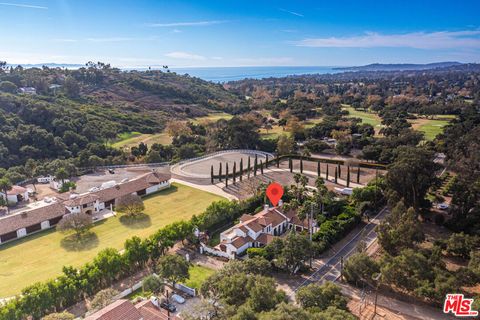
pixel 85 242
pixel 140 221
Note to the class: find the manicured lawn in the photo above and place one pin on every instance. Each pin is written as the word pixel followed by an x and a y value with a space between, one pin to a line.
pixel 40 257
pixel 430 127
pixel 198 274
pixel 131 139
pixel 367 117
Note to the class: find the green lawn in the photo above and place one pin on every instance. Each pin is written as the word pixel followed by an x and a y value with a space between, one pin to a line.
pixel 430 127
pixel 40 257
pixel 130 139
pixel 367 117
pixel 273 133
pixel 198 274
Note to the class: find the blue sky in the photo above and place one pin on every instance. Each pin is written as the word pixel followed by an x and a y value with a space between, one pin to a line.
pixel 239 33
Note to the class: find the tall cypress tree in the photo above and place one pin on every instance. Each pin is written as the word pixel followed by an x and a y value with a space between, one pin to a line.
pixel 226 174
pixel 261 166
pixel 220 172
pixel 211 173
pixel 326 173
pixel 241 168
pixel 358 174
pixel 301 165
pixel 339 170
pixel 234 172
pixel 318 169
pixel 278 161
pixel 336 174
pixel 290 164
pixel 255 166
pixel 248 167
pixel 266 161
pixel 348 176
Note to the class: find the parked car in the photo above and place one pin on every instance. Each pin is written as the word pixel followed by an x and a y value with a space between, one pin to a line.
pixel 168 306
pixel 179 299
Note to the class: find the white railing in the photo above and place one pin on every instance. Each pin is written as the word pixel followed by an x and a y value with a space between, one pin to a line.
pixel 178 166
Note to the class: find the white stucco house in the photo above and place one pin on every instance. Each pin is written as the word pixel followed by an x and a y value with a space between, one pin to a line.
pixel 15 195
pixel 258 230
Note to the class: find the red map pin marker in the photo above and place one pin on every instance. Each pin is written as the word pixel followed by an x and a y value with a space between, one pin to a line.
pixel 274 192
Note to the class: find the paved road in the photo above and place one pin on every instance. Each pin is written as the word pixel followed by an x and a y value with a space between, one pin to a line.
pixel 330 271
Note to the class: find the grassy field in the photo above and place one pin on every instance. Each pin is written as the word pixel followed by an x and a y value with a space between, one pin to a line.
pixel 430 127
pixel 198 274
pixel 131 139
pixel 367 117
pixel 213 117
pixel 273 133
pixel 40 257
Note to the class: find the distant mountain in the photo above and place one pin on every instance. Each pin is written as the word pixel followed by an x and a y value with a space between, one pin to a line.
pixel 50 65
pixel 400 66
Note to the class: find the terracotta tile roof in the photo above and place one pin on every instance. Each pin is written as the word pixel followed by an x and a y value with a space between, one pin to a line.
pixel 34 216
pixel 254 225
pixel 265 238
pixel 276 217
pixel 241 241
pixel 31 217
pixel 246 217
pixel 119 310
pixel 292 215
pixel 143 182
pixel 81 200
pixel 264 221
pixel 150 312
pixel 16 190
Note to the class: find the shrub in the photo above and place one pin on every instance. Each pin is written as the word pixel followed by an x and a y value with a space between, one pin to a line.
pixel 257 252
pixel 103 298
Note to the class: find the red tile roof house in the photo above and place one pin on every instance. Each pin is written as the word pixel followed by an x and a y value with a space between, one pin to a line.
pixel 45 214
pixel 125 310
pixel 258 230
pixel 15 195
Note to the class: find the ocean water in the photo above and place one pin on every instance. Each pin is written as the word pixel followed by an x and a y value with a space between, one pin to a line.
pixel 224 74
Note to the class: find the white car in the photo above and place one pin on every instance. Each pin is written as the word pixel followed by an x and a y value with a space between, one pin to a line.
pixel 442 206
pixel 178 299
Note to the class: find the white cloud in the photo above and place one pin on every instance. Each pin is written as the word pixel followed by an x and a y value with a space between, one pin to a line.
pixel 64 40
pixel 23 5
pixel 292 12
pixel 188 24
pixel 176 31
pixel 418 40
pixel 184 55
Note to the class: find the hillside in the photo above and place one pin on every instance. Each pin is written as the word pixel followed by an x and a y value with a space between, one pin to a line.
pixel 400 66
pixel 74 108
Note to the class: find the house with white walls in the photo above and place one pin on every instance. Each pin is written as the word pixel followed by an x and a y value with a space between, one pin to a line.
pixel 15 195
pixel 254 231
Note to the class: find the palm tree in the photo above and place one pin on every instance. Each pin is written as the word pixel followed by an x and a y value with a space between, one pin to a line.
pixel 5 185
pixel 61 175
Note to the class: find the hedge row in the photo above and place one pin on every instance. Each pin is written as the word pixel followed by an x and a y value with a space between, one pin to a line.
pixel 110 266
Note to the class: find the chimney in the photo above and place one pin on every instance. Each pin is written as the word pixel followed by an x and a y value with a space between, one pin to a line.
pixel 266 207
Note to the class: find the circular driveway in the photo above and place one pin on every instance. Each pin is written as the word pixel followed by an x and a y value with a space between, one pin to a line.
pixel 200 167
